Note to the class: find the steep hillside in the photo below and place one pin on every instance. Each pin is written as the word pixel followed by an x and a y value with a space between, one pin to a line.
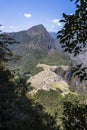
pixel 36 37
pixel 36 45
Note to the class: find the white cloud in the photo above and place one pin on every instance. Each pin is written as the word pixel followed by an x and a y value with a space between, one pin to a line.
pixel 14 28
pixel 57 22
pixel 27 15
pixel 71 14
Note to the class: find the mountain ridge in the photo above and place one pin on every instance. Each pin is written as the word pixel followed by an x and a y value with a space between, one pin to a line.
pixel 34 46
pixel 38 46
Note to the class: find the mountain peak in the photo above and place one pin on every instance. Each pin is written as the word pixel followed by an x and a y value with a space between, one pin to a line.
pixel 40 26
pixel 36 30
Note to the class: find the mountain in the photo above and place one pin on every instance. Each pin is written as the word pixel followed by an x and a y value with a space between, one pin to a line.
pixel 53 34
pixel 36 45
pixel 36 37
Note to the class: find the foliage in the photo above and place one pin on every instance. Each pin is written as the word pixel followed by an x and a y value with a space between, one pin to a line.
pixel 73 35
pixel 20 86
pixel 74 112
pixel 53 102
pixel 6 94
pixel 17 112
pixel 49 99
pixel 75 116
pixel 56 57
pixel 59 71
pixel 6 84
pixel 81 98
pixel 56 86
pixel 80 71
pixel 5 52
pixel 30 62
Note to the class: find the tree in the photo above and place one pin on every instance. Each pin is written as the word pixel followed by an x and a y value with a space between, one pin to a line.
pixel 73 38
pixel 17 111
pixel 5 52
pixel 6 80
pixel 73 35
pixel 75 116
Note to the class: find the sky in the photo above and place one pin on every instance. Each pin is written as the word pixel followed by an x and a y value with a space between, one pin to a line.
pixel 17 15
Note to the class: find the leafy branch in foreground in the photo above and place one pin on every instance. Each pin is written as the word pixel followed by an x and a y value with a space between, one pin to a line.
pixel 5 53
pixel 80 71
pixel 73 35
pixel 75 116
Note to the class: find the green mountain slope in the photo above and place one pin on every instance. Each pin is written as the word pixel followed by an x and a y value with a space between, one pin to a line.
pixel 35 46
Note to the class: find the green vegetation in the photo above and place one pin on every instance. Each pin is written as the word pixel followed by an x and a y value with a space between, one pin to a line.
pixel 34 49
pixel 59 71
pixel 75 116
pixel 56 57
pixel 56 86
pixel 29 63
pixel 53 102
pixel 49 99
pixel 73 35
pixel 17 111
pixel 46 110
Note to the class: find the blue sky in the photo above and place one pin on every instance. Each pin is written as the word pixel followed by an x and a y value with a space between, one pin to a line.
pixel 16 15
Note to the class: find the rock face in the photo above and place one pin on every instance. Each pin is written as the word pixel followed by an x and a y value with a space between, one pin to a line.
pixel 36 37
pixel 75 84
pixel 35 46
pixel 48 79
